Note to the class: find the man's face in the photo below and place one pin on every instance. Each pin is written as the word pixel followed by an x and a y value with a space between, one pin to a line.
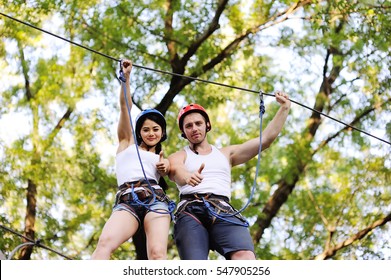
pixel 194 127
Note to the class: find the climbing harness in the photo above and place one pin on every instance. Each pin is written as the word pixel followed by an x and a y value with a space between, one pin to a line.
pixel 216 205
pixel 136 195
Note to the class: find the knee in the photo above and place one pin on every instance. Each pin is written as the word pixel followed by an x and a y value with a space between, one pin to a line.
pixel 103 249
pixel 243 255
pixel 105 242
pixel 157 253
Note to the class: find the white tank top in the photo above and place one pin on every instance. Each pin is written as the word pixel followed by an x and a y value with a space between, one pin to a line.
pixel 128 167
pixel 217 173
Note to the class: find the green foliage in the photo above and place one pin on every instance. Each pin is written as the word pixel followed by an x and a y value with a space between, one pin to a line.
pixel 339 177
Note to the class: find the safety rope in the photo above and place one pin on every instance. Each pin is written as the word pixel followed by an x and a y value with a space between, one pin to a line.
pixel 171 204
pixel 224 216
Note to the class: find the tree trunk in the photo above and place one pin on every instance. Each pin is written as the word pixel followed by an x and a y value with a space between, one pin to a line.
pixel 30 217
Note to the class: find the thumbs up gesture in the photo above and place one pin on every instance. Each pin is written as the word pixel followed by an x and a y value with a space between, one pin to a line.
pixel 163 165
pixel 201 168
pixel 196 177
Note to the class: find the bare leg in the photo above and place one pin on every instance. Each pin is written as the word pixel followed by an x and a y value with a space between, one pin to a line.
pixel 156 228
pixel 119 227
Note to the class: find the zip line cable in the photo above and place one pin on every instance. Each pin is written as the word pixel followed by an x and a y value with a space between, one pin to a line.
pixel 31 242
pixel 192 78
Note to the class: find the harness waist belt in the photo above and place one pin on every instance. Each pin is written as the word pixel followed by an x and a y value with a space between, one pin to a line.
pixel 199 196
pixel 136 184
pixel 141 189
pixel 142 195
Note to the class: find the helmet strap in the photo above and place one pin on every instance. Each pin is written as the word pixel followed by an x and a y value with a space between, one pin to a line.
pixel 193 148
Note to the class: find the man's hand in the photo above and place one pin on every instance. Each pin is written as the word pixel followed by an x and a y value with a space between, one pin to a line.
pixel 196 177
pixel 283 99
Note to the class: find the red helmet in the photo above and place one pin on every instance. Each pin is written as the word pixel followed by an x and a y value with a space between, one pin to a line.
pixel 193 108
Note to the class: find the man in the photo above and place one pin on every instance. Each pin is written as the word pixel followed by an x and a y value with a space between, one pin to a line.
pixel 202 173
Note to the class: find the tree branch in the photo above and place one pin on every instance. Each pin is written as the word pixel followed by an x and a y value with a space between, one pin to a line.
pixel 356 120
pixel 178 83
pixel 213 26
pixel 168 32
pixel 330 252
pixel 57 128
pixel 25 71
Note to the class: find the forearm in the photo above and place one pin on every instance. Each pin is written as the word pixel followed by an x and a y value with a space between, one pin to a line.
pixel 124 103
pixel 275 126
pixel 126 70
pixel 179 175
pixel 124 126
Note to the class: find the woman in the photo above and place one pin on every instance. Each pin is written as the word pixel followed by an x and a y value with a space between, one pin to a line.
pixel 140 201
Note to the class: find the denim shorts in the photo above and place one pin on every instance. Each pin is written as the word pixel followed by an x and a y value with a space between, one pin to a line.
pixel 139 211
pixel 196 232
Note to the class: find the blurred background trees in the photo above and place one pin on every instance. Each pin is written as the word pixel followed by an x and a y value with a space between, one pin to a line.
pixel 323 190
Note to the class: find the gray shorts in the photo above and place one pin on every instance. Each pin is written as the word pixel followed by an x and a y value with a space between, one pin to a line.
pixel 196 232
